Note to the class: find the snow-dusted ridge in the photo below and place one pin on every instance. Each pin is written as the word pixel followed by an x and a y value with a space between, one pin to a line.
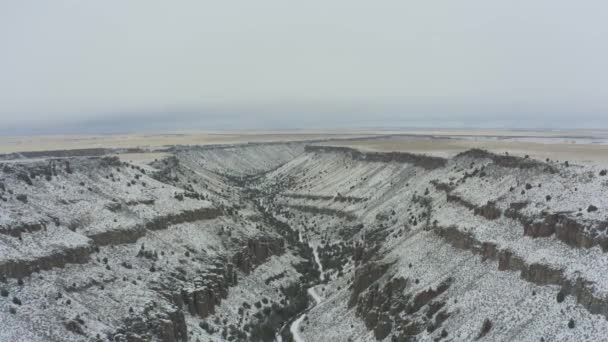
pixel 232 243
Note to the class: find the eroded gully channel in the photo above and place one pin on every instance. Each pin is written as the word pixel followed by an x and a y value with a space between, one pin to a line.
pixel 295 326
pixel 257 198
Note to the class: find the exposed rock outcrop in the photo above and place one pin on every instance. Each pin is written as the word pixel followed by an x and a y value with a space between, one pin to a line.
pixel 536 273
pixel 424 161
pixel 158 322
pixel 256 252
pixel 23 267
pixel 567 230
pixel 489 211
pixel 392 309
pixel 162 222
pixel 18 229
pixel 324 211
pixel 508 161
pixel 132 234
pixel 365 275
pixel 208 290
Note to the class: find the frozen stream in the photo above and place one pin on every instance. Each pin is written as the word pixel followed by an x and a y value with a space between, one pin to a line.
pixel 295 326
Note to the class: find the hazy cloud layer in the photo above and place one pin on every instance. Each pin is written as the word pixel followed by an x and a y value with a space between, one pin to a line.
pixel 115 65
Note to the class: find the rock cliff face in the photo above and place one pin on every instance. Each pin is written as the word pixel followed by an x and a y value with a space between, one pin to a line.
pixel 163 324
pixel 237 243
pixel 20 268
pixel 435 240
pixel 256 252
pixel 208 290
pixel 426 162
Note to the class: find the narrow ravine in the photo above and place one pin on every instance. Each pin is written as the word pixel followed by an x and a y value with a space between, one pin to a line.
pixel 295 326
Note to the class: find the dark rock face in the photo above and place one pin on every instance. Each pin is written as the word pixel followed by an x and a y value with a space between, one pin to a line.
pixel 517 206
pixel 489 211
pixel 424 297
pixel 163 222
pixel 165 323
pixel 337 198
pixel 74 326
pixel 426 162
pixel 362 253
pixel 17 230
pixel 324 211
pixel 458 238
pixel 118 236
pixel 461 201
pixel 132 234
pixel 256 252
pixel 364 276
pixel 507 161
pixel 445 187
pixel 390 309
pixel 541 229
pixel 535 273
pixel 542 274
pixel 335 256
pixel 378 306
pixel 488 251
pixel 567 230
pixel 209 289
pixel 21 268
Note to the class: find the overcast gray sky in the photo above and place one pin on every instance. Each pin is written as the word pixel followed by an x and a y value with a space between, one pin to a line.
pixel 116 65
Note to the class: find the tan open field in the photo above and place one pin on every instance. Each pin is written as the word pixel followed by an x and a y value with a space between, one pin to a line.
pixel 154 141
pixel 572 145
pixel 555 148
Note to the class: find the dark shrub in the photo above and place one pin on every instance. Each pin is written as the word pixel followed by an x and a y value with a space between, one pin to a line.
pixel 560 296
pixel 16 301
pixel 21 198
pixel 4 292
pixel 591 209
pixel 485 328
pixel 24 177
pixel 571 324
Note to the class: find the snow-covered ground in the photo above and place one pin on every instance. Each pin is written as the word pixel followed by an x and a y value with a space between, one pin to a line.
pixel 107 247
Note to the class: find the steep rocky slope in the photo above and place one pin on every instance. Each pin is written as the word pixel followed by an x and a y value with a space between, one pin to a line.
pixel 286 242
pixel 479 246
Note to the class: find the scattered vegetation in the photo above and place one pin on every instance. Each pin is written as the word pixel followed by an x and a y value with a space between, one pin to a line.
pixel 485 328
